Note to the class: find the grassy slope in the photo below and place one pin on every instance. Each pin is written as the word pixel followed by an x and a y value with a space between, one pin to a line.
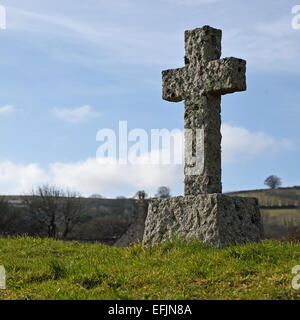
pixel 47 269
pixel 281 197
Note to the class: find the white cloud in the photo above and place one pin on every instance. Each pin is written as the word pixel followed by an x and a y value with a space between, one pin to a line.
pixel 238 144
pixel 75 115
pixel 191 2
pixel 7 109
pixel 90 176
pixel 19 178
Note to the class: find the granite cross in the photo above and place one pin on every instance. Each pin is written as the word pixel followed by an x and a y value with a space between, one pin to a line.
pixel 200 84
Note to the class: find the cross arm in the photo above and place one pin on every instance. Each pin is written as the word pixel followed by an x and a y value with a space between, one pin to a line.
pixel 173 82
pixel 226 76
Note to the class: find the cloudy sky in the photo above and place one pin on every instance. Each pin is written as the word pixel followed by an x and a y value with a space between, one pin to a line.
pixel 71 68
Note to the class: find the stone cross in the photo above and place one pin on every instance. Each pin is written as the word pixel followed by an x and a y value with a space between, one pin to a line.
pixel 200 84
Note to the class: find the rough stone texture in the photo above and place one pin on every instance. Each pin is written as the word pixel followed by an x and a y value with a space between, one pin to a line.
pixel 204 213
pixel 135 231
pixel 216 219
pixel 200 84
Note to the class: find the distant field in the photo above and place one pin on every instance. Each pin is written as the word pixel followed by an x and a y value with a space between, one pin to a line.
pixel 279 222
pixel 281 197
pixel 280 209
pixel 48 269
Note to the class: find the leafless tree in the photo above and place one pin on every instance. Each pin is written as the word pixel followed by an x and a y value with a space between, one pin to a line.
pixel 43 205
pixel 53 208
pixel 141 195
pixel 72 210
pixel 8 217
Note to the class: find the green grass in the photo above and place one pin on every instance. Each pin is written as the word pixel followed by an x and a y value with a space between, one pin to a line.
pixel 48 269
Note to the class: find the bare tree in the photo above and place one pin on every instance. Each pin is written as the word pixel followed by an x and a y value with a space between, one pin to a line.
pixel 273 182
pixel 15 220
pixel 43 205
pixel 163 192
pixel 55 209
pixel 8 217
pixel 141 195
pixel 72 210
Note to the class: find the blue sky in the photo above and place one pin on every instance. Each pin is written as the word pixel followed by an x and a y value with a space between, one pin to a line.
pixel 71 68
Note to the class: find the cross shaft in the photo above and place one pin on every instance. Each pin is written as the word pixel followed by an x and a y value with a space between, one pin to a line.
pixel 200 84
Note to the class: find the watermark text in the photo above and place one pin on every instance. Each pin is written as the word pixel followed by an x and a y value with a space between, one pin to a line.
pixel 296 17
pixel 2 17
pixel 2 278
pixel 165 147
pixel 296 279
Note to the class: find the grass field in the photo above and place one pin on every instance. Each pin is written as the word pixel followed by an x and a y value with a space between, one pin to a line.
pixel 48 269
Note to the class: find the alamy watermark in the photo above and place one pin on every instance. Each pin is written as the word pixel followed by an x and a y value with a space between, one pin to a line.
pixel 296 18
pixel 2 278
pixel 166 147
pixel 2 17
pixel 296 279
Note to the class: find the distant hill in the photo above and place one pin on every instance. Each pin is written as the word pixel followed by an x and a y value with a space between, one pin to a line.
pixel 121 208
pixel 270 198
pixel 280 209
pixel 105 220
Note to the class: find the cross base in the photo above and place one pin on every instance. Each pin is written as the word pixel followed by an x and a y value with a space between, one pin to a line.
pixel 135 232
pixel 216 219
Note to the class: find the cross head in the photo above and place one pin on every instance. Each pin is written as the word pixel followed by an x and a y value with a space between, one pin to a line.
pixel 201 83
